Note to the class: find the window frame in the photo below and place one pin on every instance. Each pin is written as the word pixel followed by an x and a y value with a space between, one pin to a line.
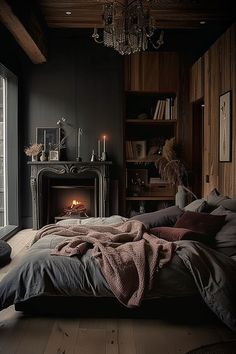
pixel 11 163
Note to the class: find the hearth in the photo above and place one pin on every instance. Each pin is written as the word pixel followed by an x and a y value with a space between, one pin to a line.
pixel 64 189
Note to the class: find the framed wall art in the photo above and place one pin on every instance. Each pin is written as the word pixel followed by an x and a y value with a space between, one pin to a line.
pixel 49 137
pixel 53 155
pixel 225 134
pixel 140 147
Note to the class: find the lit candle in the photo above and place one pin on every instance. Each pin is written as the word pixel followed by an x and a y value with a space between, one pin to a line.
pixel 44 140
pixel 104 143
pixel 99 148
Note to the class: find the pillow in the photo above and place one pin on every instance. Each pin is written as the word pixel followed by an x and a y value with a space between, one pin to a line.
pixel 201 222
pixel 229 204
pixel 110 220
pixel 214 198
pixel 226 236
pixel 163 217
pixel 177 233
pixel 197 206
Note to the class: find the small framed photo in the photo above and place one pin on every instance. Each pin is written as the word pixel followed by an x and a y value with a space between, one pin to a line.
pixel 53 155
pixel 49 137
pixel 137 176
pixel 140 149
pixel 225 145
pixel 137 180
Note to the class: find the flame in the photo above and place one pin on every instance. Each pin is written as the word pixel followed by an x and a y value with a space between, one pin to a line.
pixel 75 202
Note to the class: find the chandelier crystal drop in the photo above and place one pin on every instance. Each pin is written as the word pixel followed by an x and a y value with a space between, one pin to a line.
pixel 128 26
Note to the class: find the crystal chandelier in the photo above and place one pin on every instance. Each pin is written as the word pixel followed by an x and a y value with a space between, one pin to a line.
pixel 128 26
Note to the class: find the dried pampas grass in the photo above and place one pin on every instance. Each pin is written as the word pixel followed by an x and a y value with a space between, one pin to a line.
pixel 34 149
pixel 170 168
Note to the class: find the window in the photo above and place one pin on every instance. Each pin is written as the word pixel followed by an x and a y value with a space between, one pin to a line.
pixel 9 219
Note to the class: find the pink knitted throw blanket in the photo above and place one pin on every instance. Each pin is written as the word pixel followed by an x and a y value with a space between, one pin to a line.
pixel 128 256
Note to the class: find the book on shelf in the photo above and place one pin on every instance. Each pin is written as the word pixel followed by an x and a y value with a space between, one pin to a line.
pixel 161 114
pixel 174 108
pixel 157 180
pixel 136 149
pixel 156 110
pixel 166 109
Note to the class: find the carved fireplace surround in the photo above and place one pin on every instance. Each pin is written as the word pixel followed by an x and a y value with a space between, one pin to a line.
pixel 70 169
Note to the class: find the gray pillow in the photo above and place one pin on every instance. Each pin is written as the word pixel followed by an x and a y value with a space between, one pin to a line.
pixel 163 217
pixel 229 204
pixel 215 199
pixel 225 239
pixel 198 206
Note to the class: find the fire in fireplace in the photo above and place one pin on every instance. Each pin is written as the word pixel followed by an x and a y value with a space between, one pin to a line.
pixel 72 198
pixel 77 208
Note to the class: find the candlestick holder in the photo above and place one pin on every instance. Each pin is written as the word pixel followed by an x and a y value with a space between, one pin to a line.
pixel 79 159
pixel 93 157
pixel 104 156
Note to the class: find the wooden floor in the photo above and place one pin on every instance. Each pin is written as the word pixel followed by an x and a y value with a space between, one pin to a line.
pixel 35 335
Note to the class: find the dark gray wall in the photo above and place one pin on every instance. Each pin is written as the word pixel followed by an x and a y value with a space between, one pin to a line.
pixel 83 82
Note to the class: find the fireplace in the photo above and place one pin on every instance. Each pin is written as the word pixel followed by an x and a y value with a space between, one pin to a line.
pixel 70 189
pixel 71 197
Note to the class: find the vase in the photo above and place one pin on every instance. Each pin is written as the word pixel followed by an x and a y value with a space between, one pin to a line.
pixel 181 197
pixel 43 156
pixel 34 158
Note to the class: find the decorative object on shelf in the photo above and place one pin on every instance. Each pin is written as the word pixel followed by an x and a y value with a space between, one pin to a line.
pixel 139 147
pixel 99 150
pixel 128 26
pixel 53 155
pixel 34 150
pixel 61 123
pixel 49 137
pixel 171 168
pixel 225 128
pixel 104 153
pixel 43 156
pixel 93 157
pixel 142 207
pixel 173 171
pixel 137 180
pixel 142 116
pixel 79 134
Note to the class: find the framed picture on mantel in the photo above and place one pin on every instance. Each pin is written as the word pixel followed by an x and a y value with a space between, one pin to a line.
pixel 49 137
pixel 225 138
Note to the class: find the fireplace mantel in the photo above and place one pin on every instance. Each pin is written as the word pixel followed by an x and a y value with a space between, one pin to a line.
pixel 71 169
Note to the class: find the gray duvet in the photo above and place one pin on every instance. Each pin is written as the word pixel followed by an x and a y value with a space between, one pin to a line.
pixel 194 268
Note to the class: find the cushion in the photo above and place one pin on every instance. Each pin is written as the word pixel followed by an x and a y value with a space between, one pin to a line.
pixel 201 222
pixel 225 239
pixel 215 199
pixel 198 206
pixel 5 253
pixel 110 220
pixel 176 234
pixel 229 204
pixel 163 217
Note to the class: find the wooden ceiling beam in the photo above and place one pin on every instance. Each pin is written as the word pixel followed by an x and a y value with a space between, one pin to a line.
pixel 21 35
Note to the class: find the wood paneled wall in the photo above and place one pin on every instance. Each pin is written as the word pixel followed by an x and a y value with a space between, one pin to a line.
pixel 152 71
pixel 197 80
pixel 219 77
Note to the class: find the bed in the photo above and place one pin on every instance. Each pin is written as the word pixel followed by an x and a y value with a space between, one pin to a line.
pixel 200 267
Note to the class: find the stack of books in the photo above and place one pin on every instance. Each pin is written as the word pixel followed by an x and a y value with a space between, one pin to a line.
pixel 166 109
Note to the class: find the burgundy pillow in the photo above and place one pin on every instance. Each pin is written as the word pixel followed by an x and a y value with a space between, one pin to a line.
pixel 177 233
pixel 201 222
